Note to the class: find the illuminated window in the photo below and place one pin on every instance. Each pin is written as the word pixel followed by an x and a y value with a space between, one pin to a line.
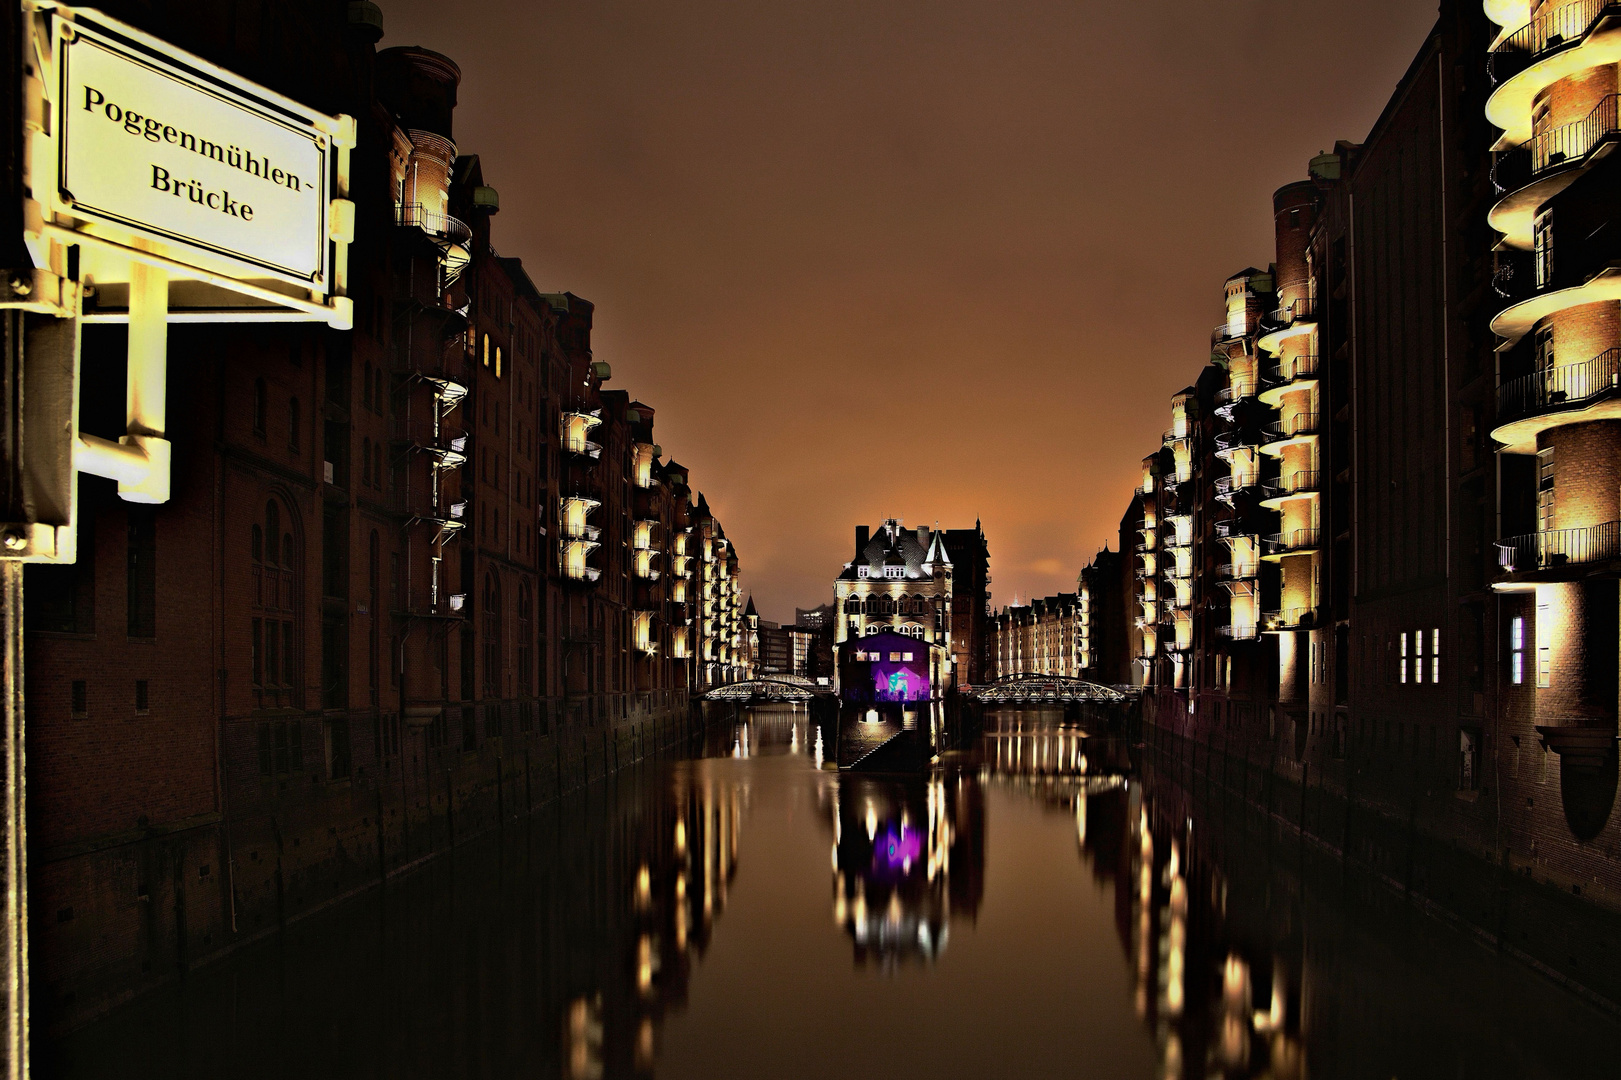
pixel 1435 655
pixel 1418 656
pixel 498 361
pixel 486 350
pixel 1542 246
pixel 1545 490
pixel 894 571
pixel 906 656
pixel 1516 650
pixel 1544 646
pixel 894 657
pixel 1404 657
pixel 862 572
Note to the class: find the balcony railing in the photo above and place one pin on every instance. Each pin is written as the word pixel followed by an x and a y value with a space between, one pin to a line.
pixel 1301 423
pixel 1297 482
pixel 1290 618
pixel 1239 632
pixel 1171 434
pixel 1228 441
pixel 1231 530
pixel 1227 486
pixel 1560 547
pixel 1224 332
pixel 440 226
pixel 1237 571
pixel 1303 366
pixel 1556 389
pixel 1238 391
pixel 582 446
pixel 1563 27
pixel 1284 543
pixel 1563 147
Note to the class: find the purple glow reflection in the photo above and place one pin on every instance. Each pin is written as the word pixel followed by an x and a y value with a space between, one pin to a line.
pixel 897 849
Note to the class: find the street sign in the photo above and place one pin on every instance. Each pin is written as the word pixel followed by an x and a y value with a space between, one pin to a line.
pixel 150 149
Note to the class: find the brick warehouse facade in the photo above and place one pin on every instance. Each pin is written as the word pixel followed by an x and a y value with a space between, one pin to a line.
pixel 1376 553
pixel 413 578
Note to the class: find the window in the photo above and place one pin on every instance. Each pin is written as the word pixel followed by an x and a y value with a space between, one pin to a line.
pixel 1418 656
pixel 1545 349
pixel 275 596
pixel 526 664
pixel 1545 490
pixel 365 462
pixel 862 572
pixel 1542 245
pixel 281 748
pixel 292 425
pixel 79 703
pixel 1468 778
pixel 259 407
pixel 141 572
pixel 1544 645
pixel 143 697
pixel 498 361
pixel 365 384
pixel 1435 655
pixel 1516 650
pixel 1404 657
pixel 894 571
pixel 486 350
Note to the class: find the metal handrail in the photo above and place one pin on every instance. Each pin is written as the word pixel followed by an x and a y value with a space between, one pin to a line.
pixel 1565 146
pixel 1238 391
pixel 1297 425
pixel 1294 540
pixel 1303 366
pixel 1239 632
pixel 1237 571
pixel 1171 436
pixel 1560 547
pixel 414 215
pixel 1563 27
pixel 1234 440
pixel 1560 387
pixel 1289 617
pixel 1301 480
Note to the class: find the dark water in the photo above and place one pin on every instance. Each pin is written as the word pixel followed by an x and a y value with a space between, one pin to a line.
pixel 1035 907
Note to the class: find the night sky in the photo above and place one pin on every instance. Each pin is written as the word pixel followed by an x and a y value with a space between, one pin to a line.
pixel 938 260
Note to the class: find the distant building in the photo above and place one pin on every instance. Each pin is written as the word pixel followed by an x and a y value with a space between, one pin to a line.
pixel 1040 638
pixel 901 581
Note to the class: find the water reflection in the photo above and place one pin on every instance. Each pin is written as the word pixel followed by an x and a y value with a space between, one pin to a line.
pixel 908 858
pixel 586 942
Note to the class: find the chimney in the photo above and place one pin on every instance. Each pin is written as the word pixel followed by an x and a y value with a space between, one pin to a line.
pixel 861 540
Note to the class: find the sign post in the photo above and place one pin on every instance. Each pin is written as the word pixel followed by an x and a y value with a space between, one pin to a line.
pixel 154 187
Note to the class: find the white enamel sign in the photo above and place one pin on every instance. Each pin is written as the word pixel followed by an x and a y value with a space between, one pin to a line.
pixel 174 154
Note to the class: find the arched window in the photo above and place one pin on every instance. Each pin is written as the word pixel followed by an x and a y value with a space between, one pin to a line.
pixel 365 461
pixel 492 636
pixel 275 630
pixel 486 350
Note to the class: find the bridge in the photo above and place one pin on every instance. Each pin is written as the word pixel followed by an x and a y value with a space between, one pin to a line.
pixel 1031 688
pixel 769 688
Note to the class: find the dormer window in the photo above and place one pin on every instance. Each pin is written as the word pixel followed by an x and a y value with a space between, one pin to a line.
pixel 863 572
pixel 894 571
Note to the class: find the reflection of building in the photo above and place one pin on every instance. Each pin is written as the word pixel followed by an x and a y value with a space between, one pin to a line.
pixel 908 856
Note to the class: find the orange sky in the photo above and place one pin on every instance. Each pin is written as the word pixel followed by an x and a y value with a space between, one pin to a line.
pixel 917 259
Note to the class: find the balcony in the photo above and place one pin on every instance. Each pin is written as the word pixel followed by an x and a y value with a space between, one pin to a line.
pixel 1173 435
pixel 1293 542
pixel 1530 175
pixel 1242 571
pixel 1566 40
pixel 1280 433
pixel 1223 332
pixel 1233 530
pixel 1287 376
pixel 1560 548
pixel 1571 394
pixel 450 235
pixel 1239 632
pixel 1300 618
pixel 1229 487
pixel 1229 443
pixel 1299 484
pixel 1290 320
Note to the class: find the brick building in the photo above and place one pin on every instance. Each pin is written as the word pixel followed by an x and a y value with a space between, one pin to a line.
pixel 407 570
pixel 1377 549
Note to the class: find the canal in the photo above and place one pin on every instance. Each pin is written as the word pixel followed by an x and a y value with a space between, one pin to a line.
pixel 1039 905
